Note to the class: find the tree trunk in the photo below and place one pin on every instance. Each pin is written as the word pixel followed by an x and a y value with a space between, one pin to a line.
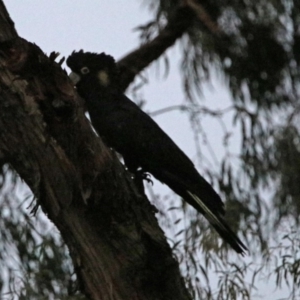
pixel 117 247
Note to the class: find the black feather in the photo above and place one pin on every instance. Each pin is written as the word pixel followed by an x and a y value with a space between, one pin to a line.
pixel 143 144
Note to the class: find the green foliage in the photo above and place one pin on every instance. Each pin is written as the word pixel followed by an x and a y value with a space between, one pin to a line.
pixel 33 259
pixel 287 168
pixel 257 53
pixel 256 49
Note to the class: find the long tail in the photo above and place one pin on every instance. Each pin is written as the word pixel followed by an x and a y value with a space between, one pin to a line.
pixel 219 223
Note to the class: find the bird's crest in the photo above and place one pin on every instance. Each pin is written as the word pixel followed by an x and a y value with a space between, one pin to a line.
pixel 96 61
pixel 102 65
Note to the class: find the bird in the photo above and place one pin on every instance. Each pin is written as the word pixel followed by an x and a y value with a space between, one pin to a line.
pixel 144 146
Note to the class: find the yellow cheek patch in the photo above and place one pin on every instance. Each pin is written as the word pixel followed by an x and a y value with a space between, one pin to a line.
pixel 103 78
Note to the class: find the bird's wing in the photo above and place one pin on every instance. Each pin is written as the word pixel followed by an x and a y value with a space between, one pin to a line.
pixel 131 132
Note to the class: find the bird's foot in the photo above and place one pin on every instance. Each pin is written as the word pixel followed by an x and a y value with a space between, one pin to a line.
pixel 144 176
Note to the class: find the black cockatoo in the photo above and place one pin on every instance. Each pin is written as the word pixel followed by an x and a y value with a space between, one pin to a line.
pixel 143 144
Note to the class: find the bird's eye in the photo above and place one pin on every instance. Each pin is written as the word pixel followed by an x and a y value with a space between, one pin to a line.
pixel 84 70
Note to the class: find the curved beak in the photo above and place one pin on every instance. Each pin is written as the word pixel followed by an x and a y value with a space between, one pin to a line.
pixel 75 78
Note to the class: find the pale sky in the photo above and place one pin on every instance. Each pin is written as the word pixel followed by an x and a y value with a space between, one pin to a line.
pixel 107 26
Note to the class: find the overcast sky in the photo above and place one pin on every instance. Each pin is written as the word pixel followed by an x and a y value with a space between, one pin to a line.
pixel 107 26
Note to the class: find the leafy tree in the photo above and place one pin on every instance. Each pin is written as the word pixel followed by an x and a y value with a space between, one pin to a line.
pixel 254 46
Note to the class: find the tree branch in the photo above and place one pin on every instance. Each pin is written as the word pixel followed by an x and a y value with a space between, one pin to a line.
pixel 8 30
pixel 203 16
pixel 136 61
pixel 178 24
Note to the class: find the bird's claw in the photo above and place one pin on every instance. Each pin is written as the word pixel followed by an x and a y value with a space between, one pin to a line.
pixel 144 176
pixel 147 177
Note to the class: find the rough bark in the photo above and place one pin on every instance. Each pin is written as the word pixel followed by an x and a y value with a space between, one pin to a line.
pixel 117 247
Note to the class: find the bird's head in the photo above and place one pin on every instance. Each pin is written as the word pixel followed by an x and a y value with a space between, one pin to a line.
pixel 90 70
